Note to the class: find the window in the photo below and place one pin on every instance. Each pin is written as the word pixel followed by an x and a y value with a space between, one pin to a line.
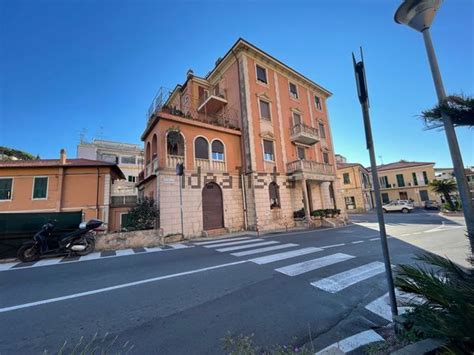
pixel 384 182
pixel 201 148
pixel 265 110
pixel 425 178
pixel 424 195
pixel 346 178
pixel 6 188
pixel 293 91
pixel 300 152
pixel 415 179
pixel 296 118
pixel 350 202
pixel 385 198
pixel 175 144
pixel 40 188
pixel 400 180
pixel 111 158
pixel 218 150
pixel 261 74
pixel 317 102
pixel 326 158
pixel 268 150
pixel 274 193
pixel 128 160
pixel 322 132
pixel 131 178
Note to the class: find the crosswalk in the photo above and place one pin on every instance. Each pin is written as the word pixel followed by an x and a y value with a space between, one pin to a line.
pixel 286 257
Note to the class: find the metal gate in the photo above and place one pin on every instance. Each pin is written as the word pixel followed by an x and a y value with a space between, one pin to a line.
pixel 16 228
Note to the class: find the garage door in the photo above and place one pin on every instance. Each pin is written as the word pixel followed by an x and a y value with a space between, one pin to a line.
pixel 212 213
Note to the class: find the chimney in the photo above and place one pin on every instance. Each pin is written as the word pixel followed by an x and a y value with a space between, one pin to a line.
pixel 62 158
pixel 189 74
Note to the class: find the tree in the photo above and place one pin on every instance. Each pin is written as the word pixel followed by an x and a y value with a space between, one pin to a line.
pixel 460 108
pixel 143 215
pixel 445 187
pixel 9 153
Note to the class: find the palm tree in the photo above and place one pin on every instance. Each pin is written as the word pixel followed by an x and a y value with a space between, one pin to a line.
pixel 445 187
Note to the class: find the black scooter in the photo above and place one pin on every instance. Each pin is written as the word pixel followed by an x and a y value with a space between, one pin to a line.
pixel 79 242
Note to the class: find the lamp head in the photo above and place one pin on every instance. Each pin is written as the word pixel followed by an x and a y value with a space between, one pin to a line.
pixel 417 14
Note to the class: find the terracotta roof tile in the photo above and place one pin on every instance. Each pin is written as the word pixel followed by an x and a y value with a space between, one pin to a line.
pixel 400 165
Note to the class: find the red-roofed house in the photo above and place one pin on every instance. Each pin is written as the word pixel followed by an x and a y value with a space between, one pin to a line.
pixel 58 185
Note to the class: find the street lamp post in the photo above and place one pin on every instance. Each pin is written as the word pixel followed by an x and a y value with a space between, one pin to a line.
pixel 419 14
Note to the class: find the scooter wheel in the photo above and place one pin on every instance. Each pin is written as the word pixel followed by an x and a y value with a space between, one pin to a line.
pixel 29 252
pixel 90 246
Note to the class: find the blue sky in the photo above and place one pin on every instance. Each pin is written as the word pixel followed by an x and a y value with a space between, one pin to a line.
pixel 71 65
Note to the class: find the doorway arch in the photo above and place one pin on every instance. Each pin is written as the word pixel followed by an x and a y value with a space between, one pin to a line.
pixel 212 207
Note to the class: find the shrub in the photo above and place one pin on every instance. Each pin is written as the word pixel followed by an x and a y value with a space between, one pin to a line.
pixel 143 215
pixel 299 214
pixel 337 211
pixel 318 213
pixel 447 312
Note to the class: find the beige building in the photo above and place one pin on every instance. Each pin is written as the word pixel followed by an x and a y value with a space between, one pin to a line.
pixel 255 139
pixel 405 180
pixel 355 186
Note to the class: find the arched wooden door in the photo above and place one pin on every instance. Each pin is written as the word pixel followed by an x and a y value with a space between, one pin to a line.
pixel 212 207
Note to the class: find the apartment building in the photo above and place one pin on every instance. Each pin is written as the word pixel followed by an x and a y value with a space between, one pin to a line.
pixel 255 140
pixel 58 185
pixel 355 186
pixel 405 180
pixel 129 158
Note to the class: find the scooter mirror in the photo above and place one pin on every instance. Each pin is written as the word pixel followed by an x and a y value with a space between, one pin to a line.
pixel 82 225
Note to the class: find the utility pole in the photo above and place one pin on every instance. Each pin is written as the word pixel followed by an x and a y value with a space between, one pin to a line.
pixel 364 101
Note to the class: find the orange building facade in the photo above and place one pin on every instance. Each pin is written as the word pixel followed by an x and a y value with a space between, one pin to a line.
pixel 257 132
pixel 58 185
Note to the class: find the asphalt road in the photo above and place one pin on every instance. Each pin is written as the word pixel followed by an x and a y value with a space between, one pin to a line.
pixel 323 286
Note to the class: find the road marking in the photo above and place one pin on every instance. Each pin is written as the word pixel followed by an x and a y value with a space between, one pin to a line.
pixel 286 255
pixel 247 246
pixel 310 265
pixel 371 239
pixel 179 246
pixel 348 278
pixel 353 342
pixel 151 250
pixel 46 262
pixel 416 233
pixel 263 250
pixel 7 266
pixel 124 252
pixel 333 246
pixel 381 306
pixel 91 256
pixel 405 235
pixel 117 287
pixel 231 243
pixel 358 241
pixel 220 240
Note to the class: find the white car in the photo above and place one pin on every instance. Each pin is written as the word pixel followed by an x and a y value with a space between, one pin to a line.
pixel 398 206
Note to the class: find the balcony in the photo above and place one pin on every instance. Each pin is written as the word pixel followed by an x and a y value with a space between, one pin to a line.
pixel 209 165
pixel 311 169
pixel 301 133
pixel 123 200
pixel 213 103
pixel 172 160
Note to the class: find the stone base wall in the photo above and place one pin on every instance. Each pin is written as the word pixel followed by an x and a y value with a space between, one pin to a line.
pixel 126 240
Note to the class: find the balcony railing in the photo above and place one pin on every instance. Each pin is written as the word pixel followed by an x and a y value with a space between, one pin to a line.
pixel 304 134
pixel 309 166
pixel 213 110
pixel 209 165
pixel 123 200
pixel 172 160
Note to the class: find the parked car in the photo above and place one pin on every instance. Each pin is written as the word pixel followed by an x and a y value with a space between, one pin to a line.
pixel 431 205
pixel 398 206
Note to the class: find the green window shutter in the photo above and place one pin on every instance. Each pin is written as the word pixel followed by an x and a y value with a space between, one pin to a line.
pixel 40 188
pixel 425 177
pixel 400 180
pixel 5 189
pixel 415 179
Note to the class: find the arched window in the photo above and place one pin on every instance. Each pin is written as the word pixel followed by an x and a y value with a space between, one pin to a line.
pixel 147 153
pixel 217 150
pixel 201 148
pixel 274 192
pixel 175 144
pixel 154 147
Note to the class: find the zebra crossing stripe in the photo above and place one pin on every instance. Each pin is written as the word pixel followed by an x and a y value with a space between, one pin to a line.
pixel 220 240
pixel 263 250
pixel 153 249
pixel 381 306
pixel 310 265
pixel 353 342
pixel 246 246
pixel 348 278
pixel 124 252
pixel 286 255
pixel 231 243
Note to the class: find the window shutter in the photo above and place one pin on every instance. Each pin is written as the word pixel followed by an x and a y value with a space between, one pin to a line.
pixel 201 148
pixel 268 147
